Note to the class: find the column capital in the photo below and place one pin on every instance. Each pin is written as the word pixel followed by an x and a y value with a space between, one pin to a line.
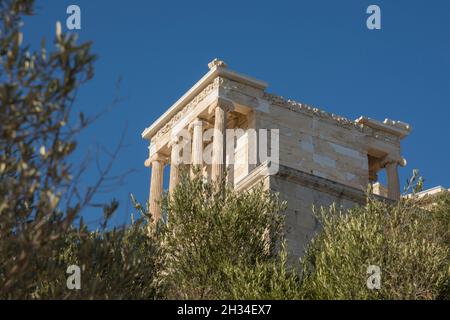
pixel 173 140
pixel 158 157
pixel 223 103
pixel 197 122
pixel 388 161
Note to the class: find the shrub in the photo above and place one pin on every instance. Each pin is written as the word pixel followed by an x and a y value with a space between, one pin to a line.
pixel 408 243
pixel 272 279
pixel 115 264
pixel 39 198
pixel 215 237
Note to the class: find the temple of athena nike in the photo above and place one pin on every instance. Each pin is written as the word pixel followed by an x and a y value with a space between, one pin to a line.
pixel 313 157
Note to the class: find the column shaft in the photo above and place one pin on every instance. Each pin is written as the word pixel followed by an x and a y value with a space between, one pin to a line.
pixel 393 184
pixel 219 144
pixel 156 187
pixel 197 144
pixel 174 165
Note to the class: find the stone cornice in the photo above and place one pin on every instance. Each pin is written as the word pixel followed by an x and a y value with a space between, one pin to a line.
pixel 209 79
pixel 305 179
pixel 322 184
pixel 389 130
pixel 306 109
pixel 396 128
pixel 170 121
pixel 253 177
pixel 220 77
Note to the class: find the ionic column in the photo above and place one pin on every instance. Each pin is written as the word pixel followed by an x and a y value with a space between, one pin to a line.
pixel 174 164
pixel 156 185
pixel 220 109
pixel 197 144
pixel 393 184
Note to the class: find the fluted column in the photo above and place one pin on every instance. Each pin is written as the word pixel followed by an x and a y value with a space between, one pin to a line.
pixel 156 185
pixel 220 109
pixel 174 164
pixel 393 184
pixel 197 144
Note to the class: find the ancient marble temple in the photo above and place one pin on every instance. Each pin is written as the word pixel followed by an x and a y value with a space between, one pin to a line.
pixel 319 158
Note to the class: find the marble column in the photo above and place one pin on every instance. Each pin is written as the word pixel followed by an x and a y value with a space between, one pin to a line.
pixel 393 184
pixel 174 164
pixel 197 144
pixel 156 185
pixel 220 109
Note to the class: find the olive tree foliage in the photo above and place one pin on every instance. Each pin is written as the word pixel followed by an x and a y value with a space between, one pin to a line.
pixel 215 237
pixel 39 195
pixel 219 243
pixel 269 279
pixel 115 264
pixel 408 240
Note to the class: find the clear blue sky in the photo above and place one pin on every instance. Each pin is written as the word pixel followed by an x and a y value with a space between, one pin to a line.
pixel 317 52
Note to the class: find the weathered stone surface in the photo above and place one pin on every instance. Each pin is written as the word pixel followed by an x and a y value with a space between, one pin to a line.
pixel 322 158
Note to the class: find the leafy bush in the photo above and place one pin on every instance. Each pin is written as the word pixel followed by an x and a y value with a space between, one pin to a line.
pixel 408 243
pixel 271 279
pixel 39 198
pixel 116 264
pixel 213 234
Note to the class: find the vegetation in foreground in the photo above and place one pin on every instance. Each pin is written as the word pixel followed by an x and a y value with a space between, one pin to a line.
pixel 217 243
